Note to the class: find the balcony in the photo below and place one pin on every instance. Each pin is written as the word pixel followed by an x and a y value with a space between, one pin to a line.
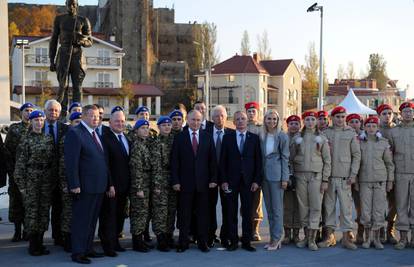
pixel 37 60
pixel 225 100
pixel 104 85
pixel 103 61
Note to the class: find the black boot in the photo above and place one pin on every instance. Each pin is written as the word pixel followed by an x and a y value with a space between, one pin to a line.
pixel 34 248
pixel 138 243
pixel 162 244
pixel 67 242
pixel 41 246
pixel 147 236
pixel 170 240
pixel 25 235
pixel 17 232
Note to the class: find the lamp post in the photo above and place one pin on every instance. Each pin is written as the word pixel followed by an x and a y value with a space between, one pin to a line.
pixel 313 8
pixel 22 44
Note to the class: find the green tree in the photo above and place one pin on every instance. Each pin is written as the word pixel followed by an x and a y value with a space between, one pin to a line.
pixel 377 69
pixel 245 44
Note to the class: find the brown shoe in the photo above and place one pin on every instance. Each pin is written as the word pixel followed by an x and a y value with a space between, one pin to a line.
pixel 329 239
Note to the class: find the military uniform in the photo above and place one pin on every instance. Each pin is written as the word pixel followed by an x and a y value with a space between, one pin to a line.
pixel 311 162
pixel 13 139
pixel 345 160
pixel 145 172
pixel 377 168
pixel 385 130
pixel 33 176
pixel 257 206
pixel 402 144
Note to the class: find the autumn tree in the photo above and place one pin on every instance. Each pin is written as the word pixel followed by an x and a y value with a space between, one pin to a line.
pixel 263 46
pixel 245 44
pixel 310 79
pixel 377 69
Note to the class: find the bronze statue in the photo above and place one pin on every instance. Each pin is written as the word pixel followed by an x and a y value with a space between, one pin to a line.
pixel 73 32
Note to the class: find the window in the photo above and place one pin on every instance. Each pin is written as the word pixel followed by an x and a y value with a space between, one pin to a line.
pixel 103 57
pixel 231 78
pixel 41 55
pixel 104 80
pixel 231 96
pixel 272 97
pixel 292 80
pixel 40 78
pixel 103 101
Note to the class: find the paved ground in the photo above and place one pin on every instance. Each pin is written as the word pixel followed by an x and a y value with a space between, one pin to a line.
pixel 15 254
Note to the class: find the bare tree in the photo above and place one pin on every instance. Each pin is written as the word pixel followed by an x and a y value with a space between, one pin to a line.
pixel 350 71
pixel 340 73
pixel 263 46
pixel 245 44
pixel 206 42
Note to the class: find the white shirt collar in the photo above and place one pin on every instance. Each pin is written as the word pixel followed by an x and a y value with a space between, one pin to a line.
pixel 238 132
pixel 90 130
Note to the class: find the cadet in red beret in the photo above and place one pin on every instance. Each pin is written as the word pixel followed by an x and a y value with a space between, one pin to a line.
pixel 293 124
pixel 254 126
pixel 355 121
pixel 323 120
pixel 338 110
pixel 406 105
pixel 309 113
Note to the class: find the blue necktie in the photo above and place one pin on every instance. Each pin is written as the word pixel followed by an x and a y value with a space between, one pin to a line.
pixel 122 144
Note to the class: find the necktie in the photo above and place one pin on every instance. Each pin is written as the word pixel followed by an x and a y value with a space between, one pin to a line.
pixel 95 139
pixel 218 144
pixel 122 144
pixel 241 143
pixel 52 132
pixel 194 143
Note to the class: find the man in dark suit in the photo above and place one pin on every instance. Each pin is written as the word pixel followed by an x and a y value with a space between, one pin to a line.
pixel 193 172
pixel 219 116
pixel 241 174
pixel 57 130
pixel 111 220
pixel 101 129
pixel 205 124
pixel 88 178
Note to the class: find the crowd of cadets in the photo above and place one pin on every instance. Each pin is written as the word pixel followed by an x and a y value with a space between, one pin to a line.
pixel 362 163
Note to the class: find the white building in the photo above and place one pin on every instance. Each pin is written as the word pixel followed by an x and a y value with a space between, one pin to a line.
pixel 102 84
pixel 274 84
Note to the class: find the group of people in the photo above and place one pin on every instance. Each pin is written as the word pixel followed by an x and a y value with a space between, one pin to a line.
pixel 174 176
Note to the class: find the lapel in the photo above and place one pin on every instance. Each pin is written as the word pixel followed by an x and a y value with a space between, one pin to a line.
pixel 187 141
pixel 91 141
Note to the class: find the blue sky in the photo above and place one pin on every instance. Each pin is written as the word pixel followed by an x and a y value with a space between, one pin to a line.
pixel 352 29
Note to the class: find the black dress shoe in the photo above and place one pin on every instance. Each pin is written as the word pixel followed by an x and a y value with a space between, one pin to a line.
pixel 94 254
pixel 225 243
pixel 110 253
pixel 210 244
pixel 248 247
pixel 232 246
pixel 118 248
pixel 182 248
pixel 203 247
pixel 79 258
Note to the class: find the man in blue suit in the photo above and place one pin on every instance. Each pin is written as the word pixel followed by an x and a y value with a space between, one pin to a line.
pixel 241 174
pixel 88 178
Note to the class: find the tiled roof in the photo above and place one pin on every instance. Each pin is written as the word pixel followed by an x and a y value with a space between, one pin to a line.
pixel 276 67
pixel 238 64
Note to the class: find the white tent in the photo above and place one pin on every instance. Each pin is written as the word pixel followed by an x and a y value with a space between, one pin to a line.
pixel 353 105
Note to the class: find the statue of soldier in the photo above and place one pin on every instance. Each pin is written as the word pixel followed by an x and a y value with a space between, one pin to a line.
pixel 73 32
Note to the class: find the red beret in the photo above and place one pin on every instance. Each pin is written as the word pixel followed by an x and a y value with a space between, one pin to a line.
pixel 383 107
pixel 372 119
pixel 309 113
pixel 406 105
pixel 337 110
pixel 323 113
pixel 353 116
pixel 250 105
pixel 293 118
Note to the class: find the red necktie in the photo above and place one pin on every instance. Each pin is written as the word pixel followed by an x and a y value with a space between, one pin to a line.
pixel 96 141
pixel 194 143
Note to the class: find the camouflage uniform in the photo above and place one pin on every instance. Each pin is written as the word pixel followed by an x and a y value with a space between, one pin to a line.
pixel 33 176
pixel 15 133
pixel 66 215
pixel 144 163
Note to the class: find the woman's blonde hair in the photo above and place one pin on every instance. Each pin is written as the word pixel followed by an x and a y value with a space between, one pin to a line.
pixel 267 114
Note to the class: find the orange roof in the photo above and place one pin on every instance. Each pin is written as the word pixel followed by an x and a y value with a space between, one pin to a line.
pixel 238 64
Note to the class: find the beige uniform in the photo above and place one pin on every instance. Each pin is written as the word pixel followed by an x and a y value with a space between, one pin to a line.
pixel 402 144
pixel 377 168
pixel 257 211
pixel 345 159
pixel 311 162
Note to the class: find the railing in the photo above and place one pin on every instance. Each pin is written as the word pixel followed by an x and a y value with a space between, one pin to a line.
pixel 104 85
pixel 103 61
pixel 37 59
pixel 225 100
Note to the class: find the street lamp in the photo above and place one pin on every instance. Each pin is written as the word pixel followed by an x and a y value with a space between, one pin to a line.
pixel 22 44
pixel 313 8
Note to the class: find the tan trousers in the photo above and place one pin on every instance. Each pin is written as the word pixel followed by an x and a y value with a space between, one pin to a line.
pixel 257 210
pixel 338 188
pixel 308 191
pixel 373 198
pixel 291 217
pixel 404 197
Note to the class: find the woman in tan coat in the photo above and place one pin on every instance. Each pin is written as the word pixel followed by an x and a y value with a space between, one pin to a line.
pixel 311 160
pixel 376 177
